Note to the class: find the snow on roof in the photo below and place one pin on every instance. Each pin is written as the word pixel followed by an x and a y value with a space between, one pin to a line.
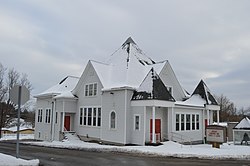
pixel 205 93
pixel 67 94
pixel 152 87
pixel 194 100
pixel 243 124
pixel 66 85
pixel 201 96
pixel 127 67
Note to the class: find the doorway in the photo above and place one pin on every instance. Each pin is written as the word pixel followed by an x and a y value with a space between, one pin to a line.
pixel 157 130
pixel 67 123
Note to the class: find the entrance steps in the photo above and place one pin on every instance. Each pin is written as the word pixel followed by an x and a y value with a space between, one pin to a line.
pixel 70 136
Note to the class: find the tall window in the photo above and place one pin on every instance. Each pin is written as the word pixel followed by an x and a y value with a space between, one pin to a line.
pixel 81 115
pixel 89 116
pixel 197 122
pixel 95 89
pixel 137 122
pixel 187 121
pixel 40 115
pixel 112 120
pixel 47 118
pixel 85 117
pixel 99 117
pixel 193 121
pixel 182 121
pixel 86 90
pixel 91 89
pixel 94 116
pixel 177 126
pixel 56 117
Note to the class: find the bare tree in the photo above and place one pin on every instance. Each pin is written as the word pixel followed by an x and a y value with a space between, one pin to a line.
pixel 3 88
pixel 228 111
pixel 7 108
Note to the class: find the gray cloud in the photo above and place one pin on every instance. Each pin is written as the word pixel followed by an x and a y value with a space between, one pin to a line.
pixel 207 40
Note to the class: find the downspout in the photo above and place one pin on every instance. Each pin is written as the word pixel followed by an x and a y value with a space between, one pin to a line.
pixel 125 117
pixel 53 133
pixel 144 125
pixel 63 117
pixel 101 115
pixel 51 119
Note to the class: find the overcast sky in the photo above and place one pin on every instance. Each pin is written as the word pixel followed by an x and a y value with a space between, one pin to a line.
pixel 202 39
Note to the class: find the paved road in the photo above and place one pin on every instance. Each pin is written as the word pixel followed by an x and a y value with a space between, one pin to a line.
pixel 61 157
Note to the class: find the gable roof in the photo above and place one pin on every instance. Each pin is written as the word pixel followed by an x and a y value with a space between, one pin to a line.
pixel 152 87
pixel 127 67
pixel 65 85
pixel 201 96
pixel 203 91
pixel 243 124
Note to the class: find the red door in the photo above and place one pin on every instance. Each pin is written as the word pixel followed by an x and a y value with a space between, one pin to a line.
pixel 206 123
pixel 157 129
pixel 67 123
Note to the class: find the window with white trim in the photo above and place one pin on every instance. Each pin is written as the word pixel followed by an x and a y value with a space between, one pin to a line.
pixel 137 122
pixel 182 121
pixel 56 117
pixel 90 116
pixel 177 121
pixel 112 120
pixel 91 89
pixel 99 117
pixel 85 117
pixel 94 116
pixel 47 117
pixel 81 114
pixel 197 122
pixel 40 115
pixel 186 122
pixel 193 121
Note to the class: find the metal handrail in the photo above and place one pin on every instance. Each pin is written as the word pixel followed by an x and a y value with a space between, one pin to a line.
pixel 183 138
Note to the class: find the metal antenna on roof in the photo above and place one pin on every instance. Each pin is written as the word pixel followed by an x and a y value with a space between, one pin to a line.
pixel 128 50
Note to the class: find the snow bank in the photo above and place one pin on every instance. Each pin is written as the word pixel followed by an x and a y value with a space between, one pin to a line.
pixel 170 149
pixel 7 160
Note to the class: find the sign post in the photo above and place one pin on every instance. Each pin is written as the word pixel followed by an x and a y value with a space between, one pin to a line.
pixel 216 135
pixel 19 95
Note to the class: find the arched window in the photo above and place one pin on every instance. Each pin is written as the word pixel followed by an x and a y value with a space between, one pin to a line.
pixel 112 120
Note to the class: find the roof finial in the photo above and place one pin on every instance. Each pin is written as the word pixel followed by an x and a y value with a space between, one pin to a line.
pixel 128 41
pixel 126 45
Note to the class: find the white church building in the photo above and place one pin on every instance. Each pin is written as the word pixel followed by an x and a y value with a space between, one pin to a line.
pixel 130 99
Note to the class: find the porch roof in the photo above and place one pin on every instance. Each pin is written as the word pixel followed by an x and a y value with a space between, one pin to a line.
pixel 156 103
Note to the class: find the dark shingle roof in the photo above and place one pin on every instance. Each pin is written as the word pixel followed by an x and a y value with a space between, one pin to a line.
pixel 205 93
pixel 156 90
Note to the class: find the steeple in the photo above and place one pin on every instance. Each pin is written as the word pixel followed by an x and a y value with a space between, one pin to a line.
pixel 127 45
pixel 128 41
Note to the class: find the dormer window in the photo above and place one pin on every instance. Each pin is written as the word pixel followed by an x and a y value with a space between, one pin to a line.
pixel 91 89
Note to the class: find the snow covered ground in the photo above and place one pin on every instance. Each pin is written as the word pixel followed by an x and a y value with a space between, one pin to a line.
pixel 13 136
pixel 169 148
pixel 7 160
